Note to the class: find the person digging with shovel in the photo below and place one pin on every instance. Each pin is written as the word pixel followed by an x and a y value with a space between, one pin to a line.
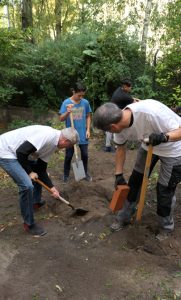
pixel 24 154
pixel 155 121
pixel 81 115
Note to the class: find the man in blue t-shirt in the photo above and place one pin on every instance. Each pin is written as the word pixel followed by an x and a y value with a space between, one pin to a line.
pixel 81 112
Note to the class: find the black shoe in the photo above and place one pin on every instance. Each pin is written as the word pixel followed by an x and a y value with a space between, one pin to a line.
pixel 107 149
pixel 38 205
pixel 65 178
pixel 34 229
pixel 88 178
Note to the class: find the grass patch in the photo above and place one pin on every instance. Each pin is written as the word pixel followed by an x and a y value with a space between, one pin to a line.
pixel 6 181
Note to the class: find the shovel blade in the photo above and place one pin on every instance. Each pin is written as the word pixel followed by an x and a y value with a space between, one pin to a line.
pixel 78 169
pixel 119 197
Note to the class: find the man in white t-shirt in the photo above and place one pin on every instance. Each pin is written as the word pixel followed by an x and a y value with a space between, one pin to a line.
pixel 24 154
pixel 145 119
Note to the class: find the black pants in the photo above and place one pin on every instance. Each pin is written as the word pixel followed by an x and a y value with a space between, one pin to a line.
pixel 69 152
pixel 169 177
pixel 136 178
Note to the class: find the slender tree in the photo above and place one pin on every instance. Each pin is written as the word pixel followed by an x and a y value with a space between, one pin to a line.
pixel 27 17
pixel 58 18
pixel 146 24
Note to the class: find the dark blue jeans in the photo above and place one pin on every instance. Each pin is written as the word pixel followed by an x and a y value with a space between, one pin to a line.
pixel 69 152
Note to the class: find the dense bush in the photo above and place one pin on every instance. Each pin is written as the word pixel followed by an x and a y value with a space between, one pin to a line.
pixel 169 77
pixel 11 43
pixel 19 123
pixel 44 73
pixel 40 76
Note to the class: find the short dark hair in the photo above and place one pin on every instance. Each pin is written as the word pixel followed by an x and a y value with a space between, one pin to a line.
pixel 78 87
pixel 126 82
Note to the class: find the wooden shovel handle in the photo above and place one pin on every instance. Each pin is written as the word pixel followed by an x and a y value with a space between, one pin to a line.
pixel 75 146
pixel 49 190
pixel 144 183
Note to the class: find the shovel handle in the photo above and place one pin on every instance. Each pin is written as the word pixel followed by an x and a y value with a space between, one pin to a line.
pixel 75 146
pixel 49 190
pixel 144 183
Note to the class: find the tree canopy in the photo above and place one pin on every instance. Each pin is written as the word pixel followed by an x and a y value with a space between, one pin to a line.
pixel 45 46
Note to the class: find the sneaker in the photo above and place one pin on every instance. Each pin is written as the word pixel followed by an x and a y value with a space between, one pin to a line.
pixel 34 229
pixel 124 216
pixel 65 178
pixel 38 205
pixel 163 234
pixel 88 178
pixel 116 226
pixel 108 149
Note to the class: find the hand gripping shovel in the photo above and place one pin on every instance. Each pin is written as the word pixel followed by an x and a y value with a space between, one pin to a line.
pixel 144 183
pixel 76 211
pixel 78 167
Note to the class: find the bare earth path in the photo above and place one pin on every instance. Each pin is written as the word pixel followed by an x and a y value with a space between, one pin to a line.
pixel 79 259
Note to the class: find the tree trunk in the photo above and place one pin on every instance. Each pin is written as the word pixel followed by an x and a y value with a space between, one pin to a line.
pixel 146 26
pixel 13 14
pixel 154 70
pixel 8 16
pixel 82 14
pixel 27 17
pixel 58 18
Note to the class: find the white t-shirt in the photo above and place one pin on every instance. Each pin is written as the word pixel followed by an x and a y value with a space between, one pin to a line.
pixel 151 116
pixel 43 138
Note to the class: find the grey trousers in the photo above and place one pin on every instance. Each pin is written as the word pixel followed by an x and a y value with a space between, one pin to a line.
pixel 169 177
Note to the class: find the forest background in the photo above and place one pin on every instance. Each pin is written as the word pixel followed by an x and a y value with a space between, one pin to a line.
pixel 47 45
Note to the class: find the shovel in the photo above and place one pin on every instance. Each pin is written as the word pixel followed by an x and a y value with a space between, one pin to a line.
pixel 76 211
pixel 144 183
pixel 78 167
pixel 119 197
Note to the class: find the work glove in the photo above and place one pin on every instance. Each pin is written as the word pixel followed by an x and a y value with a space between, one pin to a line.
pixel 119 180
pixel 158 138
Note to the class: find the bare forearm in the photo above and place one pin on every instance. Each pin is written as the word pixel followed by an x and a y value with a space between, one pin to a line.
pixel 88 122
pixel 174 135
pixel 120 159
pixel 64 116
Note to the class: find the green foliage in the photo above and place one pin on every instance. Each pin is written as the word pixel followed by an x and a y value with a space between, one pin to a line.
pixel 111 57
pixel 173 21
pixel 11 43
pixel 6 93
pixel 40 75
pixel 18 123
pixel 169 77
pixel 143 88
pixel 45 72
pixel 169 65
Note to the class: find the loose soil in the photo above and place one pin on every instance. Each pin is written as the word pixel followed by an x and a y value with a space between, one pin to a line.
pixel 79 258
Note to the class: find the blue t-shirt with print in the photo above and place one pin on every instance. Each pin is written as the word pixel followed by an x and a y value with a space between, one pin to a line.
pixel 79 113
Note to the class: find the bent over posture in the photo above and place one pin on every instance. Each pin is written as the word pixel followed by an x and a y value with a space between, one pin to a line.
pixel 145 119
pixel 24 154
